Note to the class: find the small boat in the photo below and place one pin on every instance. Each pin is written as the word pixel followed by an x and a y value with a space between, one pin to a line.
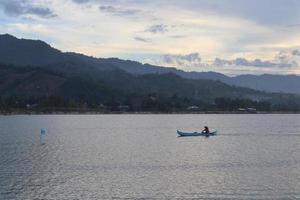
pixel 184 134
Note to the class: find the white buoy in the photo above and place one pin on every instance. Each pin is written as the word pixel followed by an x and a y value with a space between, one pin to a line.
pixel 42 135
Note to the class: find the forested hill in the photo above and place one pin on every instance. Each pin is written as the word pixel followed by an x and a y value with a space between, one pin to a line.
pixel 34 75
pixel 23 52
pixel 69 85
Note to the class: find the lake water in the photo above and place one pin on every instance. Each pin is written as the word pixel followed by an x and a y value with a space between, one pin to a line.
pixel 141 157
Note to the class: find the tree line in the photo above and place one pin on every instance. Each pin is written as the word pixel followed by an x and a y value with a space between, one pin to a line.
pixel 135 103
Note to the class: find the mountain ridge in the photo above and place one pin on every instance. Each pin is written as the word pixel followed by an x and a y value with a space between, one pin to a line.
pixel 23 52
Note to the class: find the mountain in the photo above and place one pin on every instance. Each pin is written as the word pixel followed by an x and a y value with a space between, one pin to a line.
pixel 69 80
pixel 32 72
pixel 28 52
pixel 265 82
pixel 23 52
pixel 68 86
pixel 268 82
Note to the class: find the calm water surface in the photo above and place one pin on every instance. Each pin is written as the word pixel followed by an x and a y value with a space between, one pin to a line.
pixel 140 157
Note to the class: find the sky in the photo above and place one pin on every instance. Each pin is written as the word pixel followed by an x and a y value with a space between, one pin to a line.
pixel 228 36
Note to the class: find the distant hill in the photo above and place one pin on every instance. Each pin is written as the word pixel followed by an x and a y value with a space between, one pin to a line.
pixel 268 82
pixel 70 80
pixel 28 52
pixel 70 85
pixel 23 52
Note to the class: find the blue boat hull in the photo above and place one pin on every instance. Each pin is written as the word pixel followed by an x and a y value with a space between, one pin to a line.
pixel 185 134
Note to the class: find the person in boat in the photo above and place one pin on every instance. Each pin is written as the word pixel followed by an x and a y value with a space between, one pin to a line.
pixel 206 130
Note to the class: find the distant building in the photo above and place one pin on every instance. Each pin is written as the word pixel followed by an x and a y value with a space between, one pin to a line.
pixel 247 110
pixel 193 108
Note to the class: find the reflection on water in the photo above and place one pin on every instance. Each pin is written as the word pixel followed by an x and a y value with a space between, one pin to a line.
pixel 141 157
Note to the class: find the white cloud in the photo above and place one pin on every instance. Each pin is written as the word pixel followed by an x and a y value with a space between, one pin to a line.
pixel 140 39
pixel 118 11
pixel 192 59
pixel 193 62
pixel 255 63
pixel 160 28
pixel 25 7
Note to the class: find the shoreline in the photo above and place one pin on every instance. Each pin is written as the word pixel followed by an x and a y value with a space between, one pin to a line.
pixel 145 113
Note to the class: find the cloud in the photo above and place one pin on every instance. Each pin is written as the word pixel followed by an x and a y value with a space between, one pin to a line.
pixel 160 28
pixel 270 12
pixel 188 60
pixel 110 7
pixel 178 36
pixel 81 1
pixel 290 56
pixel 194 61
pixel 296 53
pixel 140 39
pixel 24 7
pixel 254 63
pixel 118 11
